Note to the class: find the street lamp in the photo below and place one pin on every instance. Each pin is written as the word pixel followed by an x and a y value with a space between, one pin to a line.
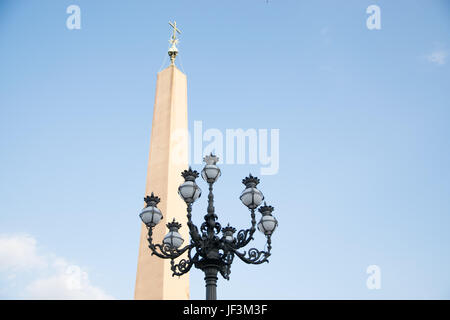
pixel 207 250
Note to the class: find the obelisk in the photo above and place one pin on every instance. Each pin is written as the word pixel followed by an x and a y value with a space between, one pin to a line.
pixel 168 158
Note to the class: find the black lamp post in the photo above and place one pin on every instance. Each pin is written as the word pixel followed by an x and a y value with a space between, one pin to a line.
pixel 213 253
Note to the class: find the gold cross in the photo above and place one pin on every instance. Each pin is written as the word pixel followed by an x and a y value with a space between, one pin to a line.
pixel 175 29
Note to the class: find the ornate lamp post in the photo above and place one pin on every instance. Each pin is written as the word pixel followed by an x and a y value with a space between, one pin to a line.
pixel 208 251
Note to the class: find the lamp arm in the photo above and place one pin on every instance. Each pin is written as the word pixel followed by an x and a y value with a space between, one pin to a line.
pixel 184 265
pixel 164 251
pixel 255 256
pixel 245 236
pixel 193 230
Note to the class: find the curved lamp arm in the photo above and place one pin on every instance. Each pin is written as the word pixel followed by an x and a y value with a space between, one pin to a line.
pixel 254 255
pixel 164 251
pixel 245 236
pixel 184 265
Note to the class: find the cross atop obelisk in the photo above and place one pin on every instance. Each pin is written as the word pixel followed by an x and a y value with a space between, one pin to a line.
pixel 173 51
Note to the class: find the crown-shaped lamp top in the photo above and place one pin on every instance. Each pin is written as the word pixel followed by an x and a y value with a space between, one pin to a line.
pixel 189 175
pixel 228 229
pixel 265 209
pixel 152 200
pixel 250 181
pixel 211 159
pixel 173 226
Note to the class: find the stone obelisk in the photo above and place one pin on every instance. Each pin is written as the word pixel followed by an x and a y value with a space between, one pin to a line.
pixel 168 158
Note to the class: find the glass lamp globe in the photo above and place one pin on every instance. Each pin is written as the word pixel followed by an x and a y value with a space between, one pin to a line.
pixel 251 196
pixel 151 215
pixel 189 191
pixel 211 172
pixel 268 223
pixel 173 238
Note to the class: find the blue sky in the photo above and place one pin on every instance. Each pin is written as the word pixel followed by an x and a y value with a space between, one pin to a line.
pixel 363 115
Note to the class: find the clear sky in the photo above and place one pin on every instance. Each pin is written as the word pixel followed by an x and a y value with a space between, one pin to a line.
pixel 363 117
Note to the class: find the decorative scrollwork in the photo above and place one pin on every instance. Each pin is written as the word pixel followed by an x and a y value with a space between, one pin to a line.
pixel 217 227
pixel 225 270
pixel 184 265
pixel 204 227
pixel 245 236
pixel 164 250
pixel 254 256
